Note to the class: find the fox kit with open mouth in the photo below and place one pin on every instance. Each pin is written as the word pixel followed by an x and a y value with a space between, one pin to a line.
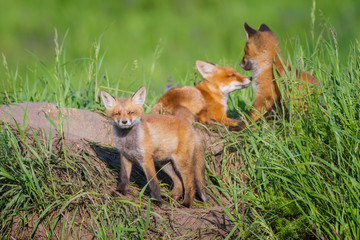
pixel 163 139
pixel 207 100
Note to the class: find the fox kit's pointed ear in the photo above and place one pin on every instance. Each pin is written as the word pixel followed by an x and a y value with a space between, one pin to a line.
pixel 107 99
pixel 206 69
pixel 248 30
pixel 264 28
pixel 139 97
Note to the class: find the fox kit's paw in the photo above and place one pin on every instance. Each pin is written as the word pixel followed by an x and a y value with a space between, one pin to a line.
pixel 157 202
pixel 156 195
pixel 211 122
pixel 118 193
pixel 186 204
pixel 122 188
pixel 240 126
pixel 176 193
pixel 203 196
pixel 188 201
pixel 115 194
pixel 234 128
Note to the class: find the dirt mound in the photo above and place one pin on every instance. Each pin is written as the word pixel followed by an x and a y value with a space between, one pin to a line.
pixel 75 123
pixel 91 133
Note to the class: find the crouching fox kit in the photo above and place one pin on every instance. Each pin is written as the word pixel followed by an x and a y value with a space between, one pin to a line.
pixel 207 100
pixel 164 139
pixel 262 55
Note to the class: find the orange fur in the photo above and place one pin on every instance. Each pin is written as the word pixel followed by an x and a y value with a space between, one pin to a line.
pixel 164 139
pixel 208 100
pixel 262 55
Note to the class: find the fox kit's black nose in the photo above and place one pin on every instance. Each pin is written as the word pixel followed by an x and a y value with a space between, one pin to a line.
pixel 124 121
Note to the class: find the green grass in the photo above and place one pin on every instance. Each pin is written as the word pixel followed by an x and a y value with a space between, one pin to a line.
pixel 183 31
pixel 56 188
pixel 280 179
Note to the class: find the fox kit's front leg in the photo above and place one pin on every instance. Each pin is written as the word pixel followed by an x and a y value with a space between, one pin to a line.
pixel 228 121
pixel 261 107
pixel 124 175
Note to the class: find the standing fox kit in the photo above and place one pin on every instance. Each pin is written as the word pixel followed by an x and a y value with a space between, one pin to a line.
pixel 208 100
pixel 164 139
pixel 262 53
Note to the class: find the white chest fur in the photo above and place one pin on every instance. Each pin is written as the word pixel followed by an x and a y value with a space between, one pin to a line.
pixel 127 141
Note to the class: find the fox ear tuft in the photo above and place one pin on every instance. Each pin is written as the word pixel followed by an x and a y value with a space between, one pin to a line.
pixel 108 100
pixel 206 69
pixel 264 28
pixel 139 97
pixel 249 30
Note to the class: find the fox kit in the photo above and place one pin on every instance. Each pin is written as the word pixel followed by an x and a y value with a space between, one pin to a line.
pixel 208 100
pixel 262 53
pixel 164 139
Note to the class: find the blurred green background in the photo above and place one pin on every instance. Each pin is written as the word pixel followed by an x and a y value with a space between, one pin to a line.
pixel 159 40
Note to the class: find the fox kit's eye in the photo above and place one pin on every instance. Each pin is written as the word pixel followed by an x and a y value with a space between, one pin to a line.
pixel 130 113
pixel 117 113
